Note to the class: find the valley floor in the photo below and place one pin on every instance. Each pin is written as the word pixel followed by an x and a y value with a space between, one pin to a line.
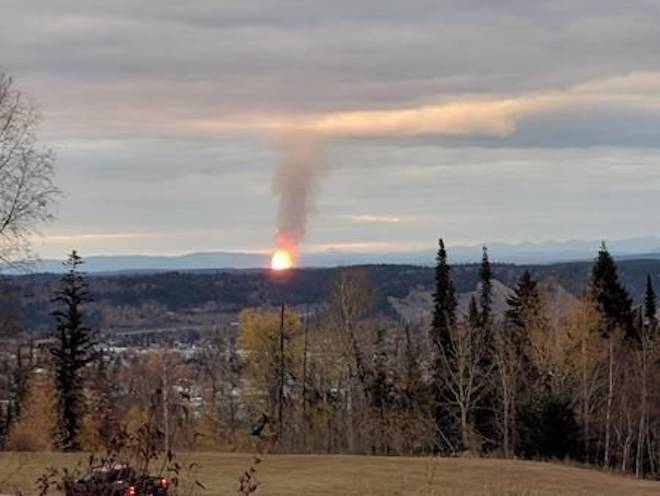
pixel 318 475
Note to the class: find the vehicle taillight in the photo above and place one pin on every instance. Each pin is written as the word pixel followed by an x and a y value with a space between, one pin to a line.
pixel 130 491
pixel 163 482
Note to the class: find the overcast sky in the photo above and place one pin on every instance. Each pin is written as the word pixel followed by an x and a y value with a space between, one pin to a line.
pixel 475 120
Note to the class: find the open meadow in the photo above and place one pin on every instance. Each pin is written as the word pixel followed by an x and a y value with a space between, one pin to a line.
pixel 284 475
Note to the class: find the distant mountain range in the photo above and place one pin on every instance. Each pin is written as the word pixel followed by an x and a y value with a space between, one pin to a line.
pixel 518 253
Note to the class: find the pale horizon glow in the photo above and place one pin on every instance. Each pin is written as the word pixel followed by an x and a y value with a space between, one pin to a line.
pixel 364 247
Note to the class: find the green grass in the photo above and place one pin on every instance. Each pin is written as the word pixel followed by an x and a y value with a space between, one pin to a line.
pixel 318 475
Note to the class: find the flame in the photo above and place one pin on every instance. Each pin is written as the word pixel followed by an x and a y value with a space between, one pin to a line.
pixel 281 260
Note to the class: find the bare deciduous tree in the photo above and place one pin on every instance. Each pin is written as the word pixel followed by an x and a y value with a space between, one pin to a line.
pixel 351 300
pixel 509 365
pixel 27 190
pixel 466 378
pixel 586 355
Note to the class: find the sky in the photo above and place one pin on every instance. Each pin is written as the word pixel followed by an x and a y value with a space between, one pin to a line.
pixel 473 120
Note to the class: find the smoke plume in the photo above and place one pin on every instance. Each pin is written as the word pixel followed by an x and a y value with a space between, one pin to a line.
pixel 303 163
pixel 295 184
pixel 296 179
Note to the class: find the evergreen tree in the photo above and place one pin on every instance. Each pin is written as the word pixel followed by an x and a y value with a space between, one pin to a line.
pixel 611 296
pixel 519 376
pixel 650 307
pixel 444 321
pixel 73 351
pixel 473 316
pixel 525 302
pixel 485 419
pixel 380 385
pixel 413 387
pixel 486 293
pixel 548 429
pixel 444 299
pixel 381 392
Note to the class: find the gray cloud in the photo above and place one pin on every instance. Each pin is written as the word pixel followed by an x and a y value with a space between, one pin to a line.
pixel 226 57
pixel 160 114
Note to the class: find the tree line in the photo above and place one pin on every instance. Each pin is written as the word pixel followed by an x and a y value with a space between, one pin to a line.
pixel 532 380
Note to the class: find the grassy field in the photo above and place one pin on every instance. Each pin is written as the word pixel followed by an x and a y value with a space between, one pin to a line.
pixel 285 475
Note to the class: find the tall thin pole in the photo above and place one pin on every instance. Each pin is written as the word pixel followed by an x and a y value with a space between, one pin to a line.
pixel 280 402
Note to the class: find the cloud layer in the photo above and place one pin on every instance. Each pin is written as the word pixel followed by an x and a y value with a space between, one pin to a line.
pixel 163 115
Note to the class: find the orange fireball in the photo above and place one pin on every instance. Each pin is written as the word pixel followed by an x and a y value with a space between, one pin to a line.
pixel 281 260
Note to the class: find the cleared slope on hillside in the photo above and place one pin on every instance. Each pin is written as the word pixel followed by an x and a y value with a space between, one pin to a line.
pixel 318 475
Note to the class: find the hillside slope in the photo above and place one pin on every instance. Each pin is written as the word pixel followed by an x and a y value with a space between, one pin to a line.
pixel 199 298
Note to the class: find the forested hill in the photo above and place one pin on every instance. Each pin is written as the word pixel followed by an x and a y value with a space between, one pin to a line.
pixel 144 300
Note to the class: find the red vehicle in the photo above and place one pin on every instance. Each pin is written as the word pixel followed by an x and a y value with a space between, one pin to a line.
pixel 117 480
